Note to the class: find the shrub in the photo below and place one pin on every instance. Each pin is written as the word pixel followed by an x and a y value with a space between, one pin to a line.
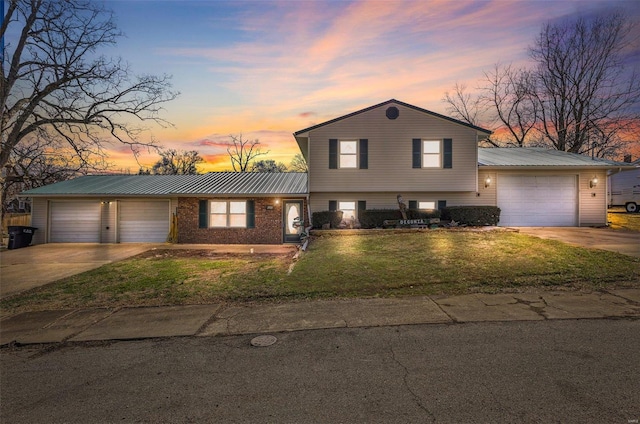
pixel 318 219
pixel 373 218
pixel 472 215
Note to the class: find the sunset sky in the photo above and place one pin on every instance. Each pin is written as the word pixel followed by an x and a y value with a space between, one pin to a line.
pixel 266 69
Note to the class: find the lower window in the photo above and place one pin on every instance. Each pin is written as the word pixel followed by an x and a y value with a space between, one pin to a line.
pixel 230 213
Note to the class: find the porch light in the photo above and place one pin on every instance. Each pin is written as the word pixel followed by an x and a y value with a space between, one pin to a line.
pixel 487 182
pixel 277 201
pixel 593 182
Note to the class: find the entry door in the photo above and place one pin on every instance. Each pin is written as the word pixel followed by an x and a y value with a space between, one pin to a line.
pixel 293 220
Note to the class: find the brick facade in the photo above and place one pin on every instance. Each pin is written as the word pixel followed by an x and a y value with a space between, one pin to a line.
pixel 268 223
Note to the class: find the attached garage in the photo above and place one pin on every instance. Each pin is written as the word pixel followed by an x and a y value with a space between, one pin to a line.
pixel 74 221
pixel 538 200
pixel 144 221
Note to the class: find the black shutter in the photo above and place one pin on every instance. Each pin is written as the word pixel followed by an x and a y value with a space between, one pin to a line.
pixel 202 214
pixel 251 214
pixel 362 206
pixel 364 153
pixel 333 153
pixel 417 153
pixel 333 205
pixel 413 204
pixel 442 204
pixel 447 159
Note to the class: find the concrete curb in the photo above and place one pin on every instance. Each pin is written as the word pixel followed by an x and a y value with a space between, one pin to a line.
pixel 215 320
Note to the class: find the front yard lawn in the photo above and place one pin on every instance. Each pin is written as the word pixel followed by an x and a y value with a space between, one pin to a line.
pixel 382 264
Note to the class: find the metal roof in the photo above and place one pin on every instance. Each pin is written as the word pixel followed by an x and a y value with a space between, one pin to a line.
pixel 214 183
pixel 540 157
pixel 398 102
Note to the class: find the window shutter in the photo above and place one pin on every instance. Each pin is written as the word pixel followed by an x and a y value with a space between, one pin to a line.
pixel 333 153
pixel 333 205
pixel 413 204
pixel 447 158
pixel 202 214
pixel 442 204
pixel 364 153
pixel 251 214
pixel 417 160
pixel 362 206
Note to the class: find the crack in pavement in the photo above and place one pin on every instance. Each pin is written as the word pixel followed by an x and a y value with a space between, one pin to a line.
pixel 416 398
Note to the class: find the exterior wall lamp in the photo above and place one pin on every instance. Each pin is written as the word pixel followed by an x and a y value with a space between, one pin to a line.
pixel 487 182
pixel 593 182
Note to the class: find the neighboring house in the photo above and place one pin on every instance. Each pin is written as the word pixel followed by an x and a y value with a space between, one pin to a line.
pixel 365 159
pixel 214 208
pixel 624 188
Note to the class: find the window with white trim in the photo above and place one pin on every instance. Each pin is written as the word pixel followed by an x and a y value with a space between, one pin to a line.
pixel 431 154
pixel 348 210
pixel 228 213
pixel 427 205
pixel 348 154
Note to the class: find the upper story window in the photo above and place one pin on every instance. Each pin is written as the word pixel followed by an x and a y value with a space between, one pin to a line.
pixel 348 154
pixel 432 153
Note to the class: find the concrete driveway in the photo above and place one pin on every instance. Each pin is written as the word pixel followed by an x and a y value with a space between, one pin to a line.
pixel 625 242
pixel 33 266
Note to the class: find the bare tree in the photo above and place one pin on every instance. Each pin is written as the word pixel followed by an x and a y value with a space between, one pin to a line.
pixel 509 94
pixel 37 163
pixel 463 105
pixel 177 162
pixel 242 152
pixel 56 87
pixel 268 165
pixel 298 164
pixel 582 88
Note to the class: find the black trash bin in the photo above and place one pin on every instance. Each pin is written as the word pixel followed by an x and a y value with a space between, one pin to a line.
pixel 20 236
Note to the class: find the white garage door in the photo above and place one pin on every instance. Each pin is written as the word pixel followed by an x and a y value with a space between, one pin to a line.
pixel 74 222
pixel 538 201
pixel 144 221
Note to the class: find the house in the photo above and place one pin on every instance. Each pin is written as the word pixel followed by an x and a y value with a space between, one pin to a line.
pixel 365 159
pixel 624 188
pixel 214 208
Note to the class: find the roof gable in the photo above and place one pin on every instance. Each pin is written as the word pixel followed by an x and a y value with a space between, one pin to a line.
pixel 388 102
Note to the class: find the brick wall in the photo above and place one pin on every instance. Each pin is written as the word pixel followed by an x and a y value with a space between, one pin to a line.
pixel 268 229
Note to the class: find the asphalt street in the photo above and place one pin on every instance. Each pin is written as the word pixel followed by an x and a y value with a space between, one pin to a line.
pixel 570 371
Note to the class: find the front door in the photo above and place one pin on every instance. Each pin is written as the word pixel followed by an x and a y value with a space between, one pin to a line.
pixel 293 220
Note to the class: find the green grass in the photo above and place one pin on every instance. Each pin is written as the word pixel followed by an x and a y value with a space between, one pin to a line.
pixel 382 264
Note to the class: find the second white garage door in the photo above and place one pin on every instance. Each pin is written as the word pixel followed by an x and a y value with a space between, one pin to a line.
pixel 144 221
pixel 538 201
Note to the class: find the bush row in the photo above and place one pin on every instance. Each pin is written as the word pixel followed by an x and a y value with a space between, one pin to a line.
pixel 374 218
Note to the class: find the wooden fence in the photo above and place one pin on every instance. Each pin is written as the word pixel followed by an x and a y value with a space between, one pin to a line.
pixel 15 219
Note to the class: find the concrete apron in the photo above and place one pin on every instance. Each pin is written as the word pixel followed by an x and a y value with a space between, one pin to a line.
pixel 624 242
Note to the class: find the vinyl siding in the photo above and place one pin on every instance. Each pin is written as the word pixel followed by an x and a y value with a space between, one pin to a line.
pixel 388 200
pixel 39 214
pixel 390 154
pixel 593 201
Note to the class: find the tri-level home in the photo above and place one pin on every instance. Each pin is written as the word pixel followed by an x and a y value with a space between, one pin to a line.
pixel 365 159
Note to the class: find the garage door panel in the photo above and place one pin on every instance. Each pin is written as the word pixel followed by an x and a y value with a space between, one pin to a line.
pixel 75 222
pixel 144 221
pixel 544 200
